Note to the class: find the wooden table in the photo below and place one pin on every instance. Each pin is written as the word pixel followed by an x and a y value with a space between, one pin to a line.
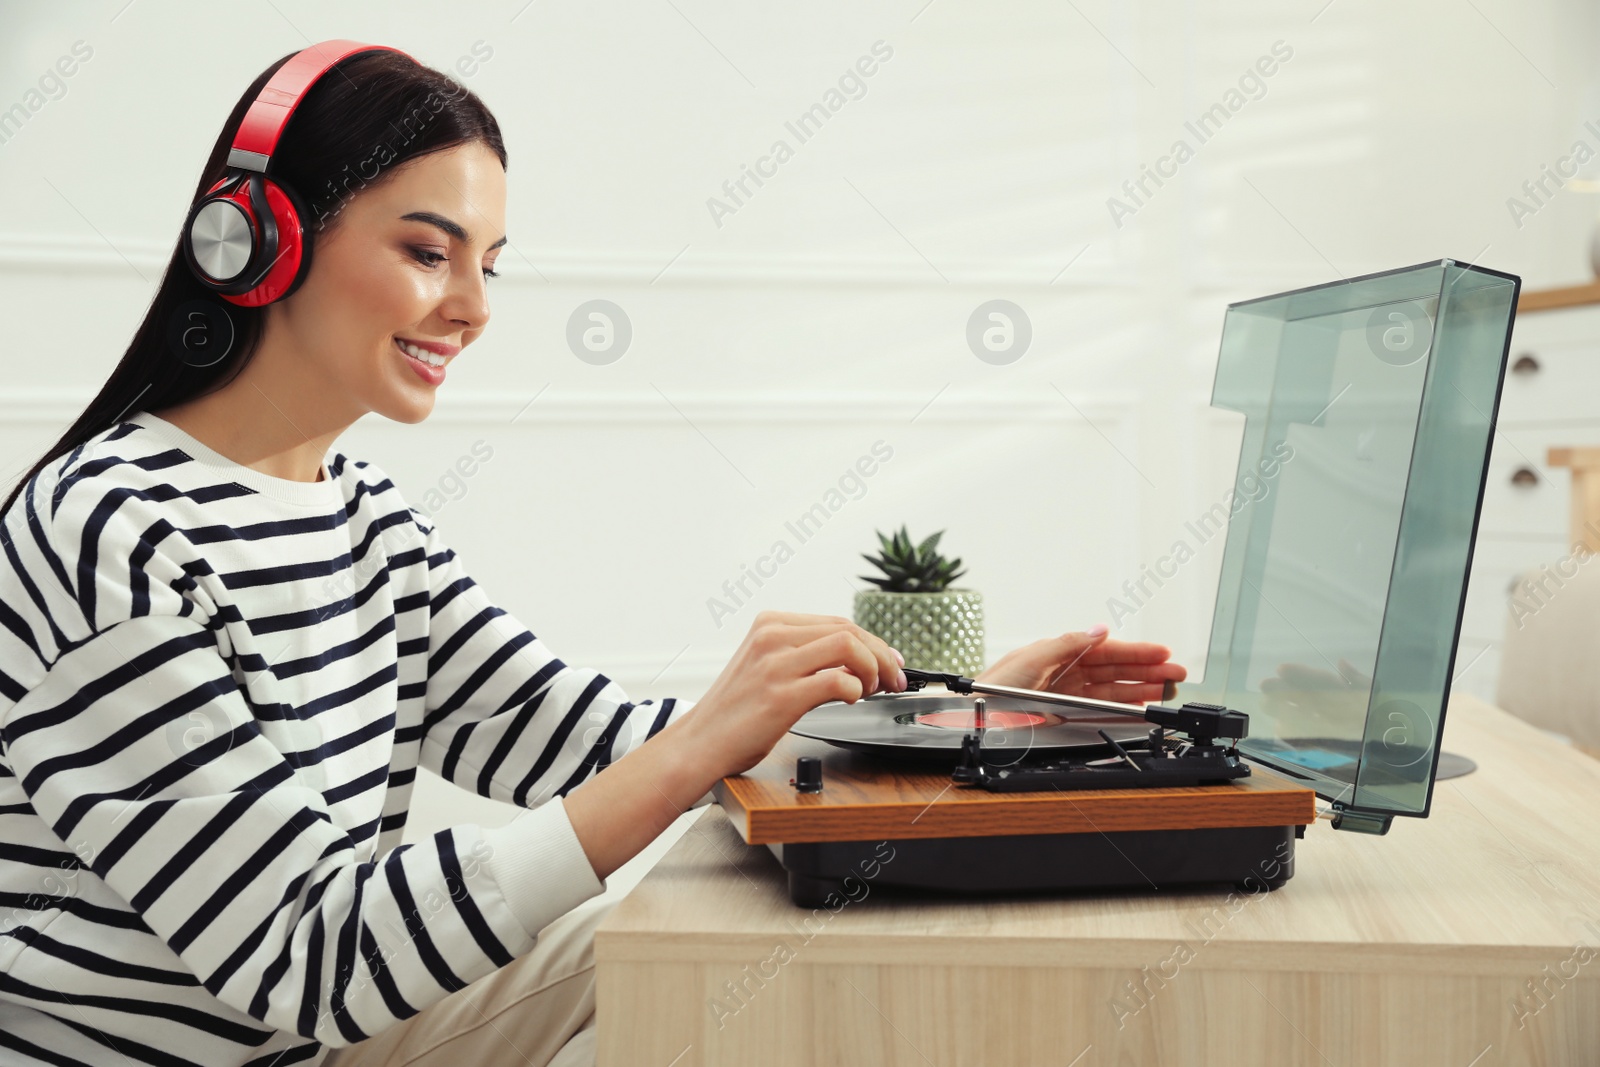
pixel 1470 939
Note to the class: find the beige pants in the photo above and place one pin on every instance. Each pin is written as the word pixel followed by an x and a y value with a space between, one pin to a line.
pixel 537 1011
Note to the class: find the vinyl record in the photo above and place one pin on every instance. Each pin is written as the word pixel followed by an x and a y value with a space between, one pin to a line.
pixel 931 726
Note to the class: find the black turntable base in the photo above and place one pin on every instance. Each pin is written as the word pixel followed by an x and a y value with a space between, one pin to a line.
pixel 910 822
pixel 1250 858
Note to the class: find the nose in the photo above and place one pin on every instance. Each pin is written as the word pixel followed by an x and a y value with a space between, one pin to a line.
pixel 467 301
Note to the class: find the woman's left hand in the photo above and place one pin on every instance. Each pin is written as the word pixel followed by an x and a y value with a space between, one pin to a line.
pixel 1089 664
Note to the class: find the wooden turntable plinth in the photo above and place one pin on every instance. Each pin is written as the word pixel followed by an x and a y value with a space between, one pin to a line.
pixel 866 798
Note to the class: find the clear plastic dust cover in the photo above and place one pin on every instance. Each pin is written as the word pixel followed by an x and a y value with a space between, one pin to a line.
pixel 1369 410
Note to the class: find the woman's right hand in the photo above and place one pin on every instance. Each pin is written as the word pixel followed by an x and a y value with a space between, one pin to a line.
pixel 786 665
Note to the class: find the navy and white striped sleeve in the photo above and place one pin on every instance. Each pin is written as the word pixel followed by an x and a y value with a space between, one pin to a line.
pixel 227 854
pixel 506 718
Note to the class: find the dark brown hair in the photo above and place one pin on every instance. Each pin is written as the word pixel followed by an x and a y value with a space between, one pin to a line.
pixel 362 119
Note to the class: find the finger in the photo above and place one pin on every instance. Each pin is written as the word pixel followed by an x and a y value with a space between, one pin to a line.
pixel 888 659
pixel 1126 692
pixel 803 633
pixel 839 648
pixel 1132 672
pixel 1061 654
pixel 823 686
pixel 801 618
pixel 1051 656
pixel 1114 651
pixel 1298 675
pixel 1352 676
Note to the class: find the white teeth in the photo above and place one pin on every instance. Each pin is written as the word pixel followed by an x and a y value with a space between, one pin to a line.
pixel 431 358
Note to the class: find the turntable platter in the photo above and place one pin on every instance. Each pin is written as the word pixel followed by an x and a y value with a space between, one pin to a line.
pixel 932 725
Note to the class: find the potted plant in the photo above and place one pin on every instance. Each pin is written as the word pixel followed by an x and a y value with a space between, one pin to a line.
pixel 915 609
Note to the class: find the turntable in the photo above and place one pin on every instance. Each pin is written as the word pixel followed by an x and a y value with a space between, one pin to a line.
pixel 1372 402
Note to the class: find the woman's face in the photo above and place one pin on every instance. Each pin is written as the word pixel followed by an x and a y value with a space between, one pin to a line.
pixel 403 263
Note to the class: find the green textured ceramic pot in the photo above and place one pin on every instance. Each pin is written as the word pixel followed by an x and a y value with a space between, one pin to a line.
pixel 933 631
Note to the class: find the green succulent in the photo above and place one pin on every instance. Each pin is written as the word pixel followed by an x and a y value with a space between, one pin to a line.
pixel 912 568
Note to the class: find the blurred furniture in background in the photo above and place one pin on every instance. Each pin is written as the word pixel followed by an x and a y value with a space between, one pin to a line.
pixel 1531 637
pixel 1550 658
pixel 1566 297
pixel 1549 419
pixel 1583 522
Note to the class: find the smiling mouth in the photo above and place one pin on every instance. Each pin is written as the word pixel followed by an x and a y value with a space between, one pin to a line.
pixel 421 355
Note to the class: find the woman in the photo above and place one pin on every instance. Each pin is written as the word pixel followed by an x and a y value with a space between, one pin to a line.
pixel 226 647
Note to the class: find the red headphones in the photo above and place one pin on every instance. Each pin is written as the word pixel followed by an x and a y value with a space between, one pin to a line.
pixel 245 239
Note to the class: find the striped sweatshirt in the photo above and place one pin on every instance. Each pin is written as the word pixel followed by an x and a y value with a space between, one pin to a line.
pixel 215 689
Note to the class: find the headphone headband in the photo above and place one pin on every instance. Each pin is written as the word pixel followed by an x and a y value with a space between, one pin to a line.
pixel 263 124
pixel 245 238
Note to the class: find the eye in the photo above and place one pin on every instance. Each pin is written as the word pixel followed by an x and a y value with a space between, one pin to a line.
pixel 433 259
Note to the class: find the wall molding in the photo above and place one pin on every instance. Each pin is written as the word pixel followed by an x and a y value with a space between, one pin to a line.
pixel 694 265
pixel 559 404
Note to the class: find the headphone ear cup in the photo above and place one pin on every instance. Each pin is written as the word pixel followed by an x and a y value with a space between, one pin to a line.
pixel 281 263
pixel 221 241
pixel 303 242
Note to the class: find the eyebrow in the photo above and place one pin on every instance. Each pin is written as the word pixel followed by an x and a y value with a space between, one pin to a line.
pixel 449 226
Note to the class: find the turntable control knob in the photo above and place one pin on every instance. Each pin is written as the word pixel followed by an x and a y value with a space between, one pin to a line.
pixel 807 775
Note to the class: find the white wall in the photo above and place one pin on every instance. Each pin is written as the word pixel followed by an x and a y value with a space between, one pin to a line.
pixel 829 311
